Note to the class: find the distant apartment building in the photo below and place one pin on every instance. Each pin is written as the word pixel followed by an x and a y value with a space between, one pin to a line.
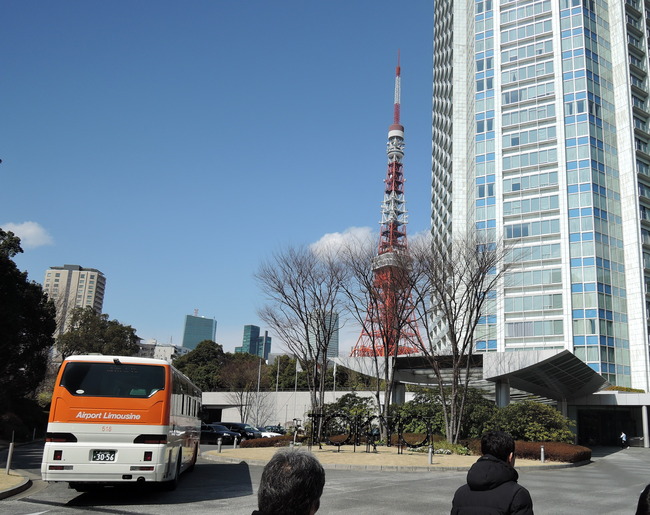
pixel 198 329
pixel 254 344
pixel 72 286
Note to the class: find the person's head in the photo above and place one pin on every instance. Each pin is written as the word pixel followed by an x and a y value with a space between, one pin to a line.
pixel 499 444
pixel 292 483
pixel 643 507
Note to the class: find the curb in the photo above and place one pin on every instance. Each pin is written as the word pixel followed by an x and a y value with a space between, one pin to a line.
pixel 21 487
pixel 387 468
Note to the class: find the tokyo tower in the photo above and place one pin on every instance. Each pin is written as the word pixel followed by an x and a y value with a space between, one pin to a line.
pixel 385 331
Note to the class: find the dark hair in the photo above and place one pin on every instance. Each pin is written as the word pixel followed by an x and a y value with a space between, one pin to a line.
pixel 292 483
pixel 643 508
pixel 497 443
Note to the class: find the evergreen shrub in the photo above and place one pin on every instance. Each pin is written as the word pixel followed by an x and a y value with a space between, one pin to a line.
pixel 275 441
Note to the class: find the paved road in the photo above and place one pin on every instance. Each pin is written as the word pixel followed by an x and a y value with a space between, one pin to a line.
pixel 609 485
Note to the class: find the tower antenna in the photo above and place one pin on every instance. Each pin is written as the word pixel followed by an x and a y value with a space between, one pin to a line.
pixel 396 105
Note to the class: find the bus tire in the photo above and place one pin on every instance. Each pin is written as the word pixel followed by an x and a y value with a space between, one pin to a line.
pixel 170 486
pixel 194 458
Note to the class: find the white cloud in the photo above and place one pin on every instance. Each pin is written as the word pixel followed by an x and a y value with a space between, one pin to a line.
pixel 424 235
pixel 335 241
pixel 31 234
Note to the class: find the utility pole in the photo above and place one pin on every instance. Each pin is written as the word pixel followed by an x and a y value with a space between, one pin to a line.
pixel 257 399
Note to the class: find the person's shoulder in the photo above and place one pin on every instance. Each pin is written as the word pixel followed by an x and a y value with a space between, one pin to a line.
pixel 522 502
pixel 461 491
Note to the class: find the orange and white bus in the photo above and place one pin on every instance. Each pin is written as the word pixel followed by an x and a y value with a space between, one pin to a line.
pixel 120 419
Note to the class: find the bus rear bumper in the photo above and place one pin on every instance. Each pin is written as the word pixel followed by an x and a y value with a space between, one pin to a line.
pixel 110 473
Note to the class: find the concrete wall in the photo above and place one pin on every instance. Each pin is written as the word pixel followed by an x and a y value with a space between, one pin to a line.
pixel 283 406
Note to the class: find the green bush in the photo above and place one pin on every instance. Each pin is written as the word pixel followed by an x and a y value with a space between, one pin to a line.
pixel 440 447
pixel 275 441
pixel 27 419
pixel 474 446
pixel 553 451
pixel 351 405
pixel 532 422
pixel 426 406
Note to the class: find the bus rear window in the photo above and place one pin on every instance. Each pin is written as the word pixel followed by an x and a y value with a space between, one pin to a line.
pixel 112 380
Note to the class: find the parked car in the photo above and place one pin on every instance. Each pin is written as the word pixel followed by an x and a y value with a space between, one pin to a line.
pixel 267 434
pixel 208 435
pixel 245 431
pixel 276 429
pixel 227 436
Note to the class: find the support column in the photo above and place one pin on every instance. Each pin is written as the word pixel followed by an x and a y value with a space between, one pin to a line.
pixel 399 394
pixel 502 392
pixel 646 438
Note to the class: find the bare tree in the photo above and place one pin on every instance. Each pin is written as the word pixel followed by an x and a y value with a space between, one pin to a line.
pixel 378 293
pixel 302 288
pixel 263 408
pixel 242 375
pixel 453 288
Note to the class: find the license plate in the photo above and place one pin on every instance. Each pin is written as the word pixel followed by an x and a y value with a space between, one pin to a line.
pixel 99 455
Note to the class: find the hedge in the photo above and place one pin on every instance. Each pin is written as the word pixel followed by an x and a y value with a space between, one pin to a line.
pixel 553 451
pixel 275 441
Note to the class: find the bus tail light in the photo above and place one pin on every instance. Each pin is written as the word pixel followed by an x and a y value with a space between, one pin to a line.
pixel 58 455
pixel 151 439
pixel 148 455
pixel 60 437
pixel 142 469
pixel 60 467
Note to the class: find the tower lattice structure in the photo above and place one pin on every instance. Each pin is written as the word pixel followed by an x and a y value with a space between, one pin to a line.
pixel 382 333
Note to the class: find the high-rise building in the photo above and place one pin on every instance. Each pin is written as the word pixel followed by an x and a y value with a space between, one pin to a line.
pixel 330 329
pixel 198 329
pixel 253 343
pixel 333 347
pixel 541 138
pixel 72 286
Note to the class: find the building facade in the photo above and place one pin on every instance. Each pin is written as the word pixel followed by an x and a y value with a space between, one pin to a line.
pixel 328 325
pixel 198 329
pixel 253 343
pixel 541 140
pixel 153 349
pixel 72 286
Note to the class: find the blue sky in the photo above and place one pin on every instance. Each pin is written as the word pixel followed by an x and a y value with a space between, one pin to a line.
pixel 175 145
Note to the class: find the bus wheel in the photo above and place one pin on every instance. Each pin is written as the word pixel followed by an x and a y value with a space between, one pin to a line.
pixel 169 486
pixel 194 458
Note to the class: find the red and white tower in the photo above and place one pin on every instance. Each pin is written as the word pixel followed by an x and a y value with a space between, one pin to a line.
pixel 383 334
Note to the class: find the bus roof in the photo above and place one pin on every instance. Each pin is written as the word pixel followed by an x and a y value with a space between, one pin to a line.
pixel 100 358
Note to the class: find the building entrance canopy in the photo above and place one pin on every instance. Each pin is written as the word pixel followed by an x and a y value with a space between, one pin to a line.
pixel 554 374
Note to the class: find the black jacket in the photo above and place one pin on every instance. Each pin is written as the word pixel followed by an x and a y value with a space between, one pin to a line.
pixel 492 489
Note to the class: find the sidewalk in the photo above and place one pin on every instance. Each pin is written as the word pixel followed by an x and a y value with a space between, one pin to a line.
pixel 386 458
pixel 15 481
pixel 12 483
